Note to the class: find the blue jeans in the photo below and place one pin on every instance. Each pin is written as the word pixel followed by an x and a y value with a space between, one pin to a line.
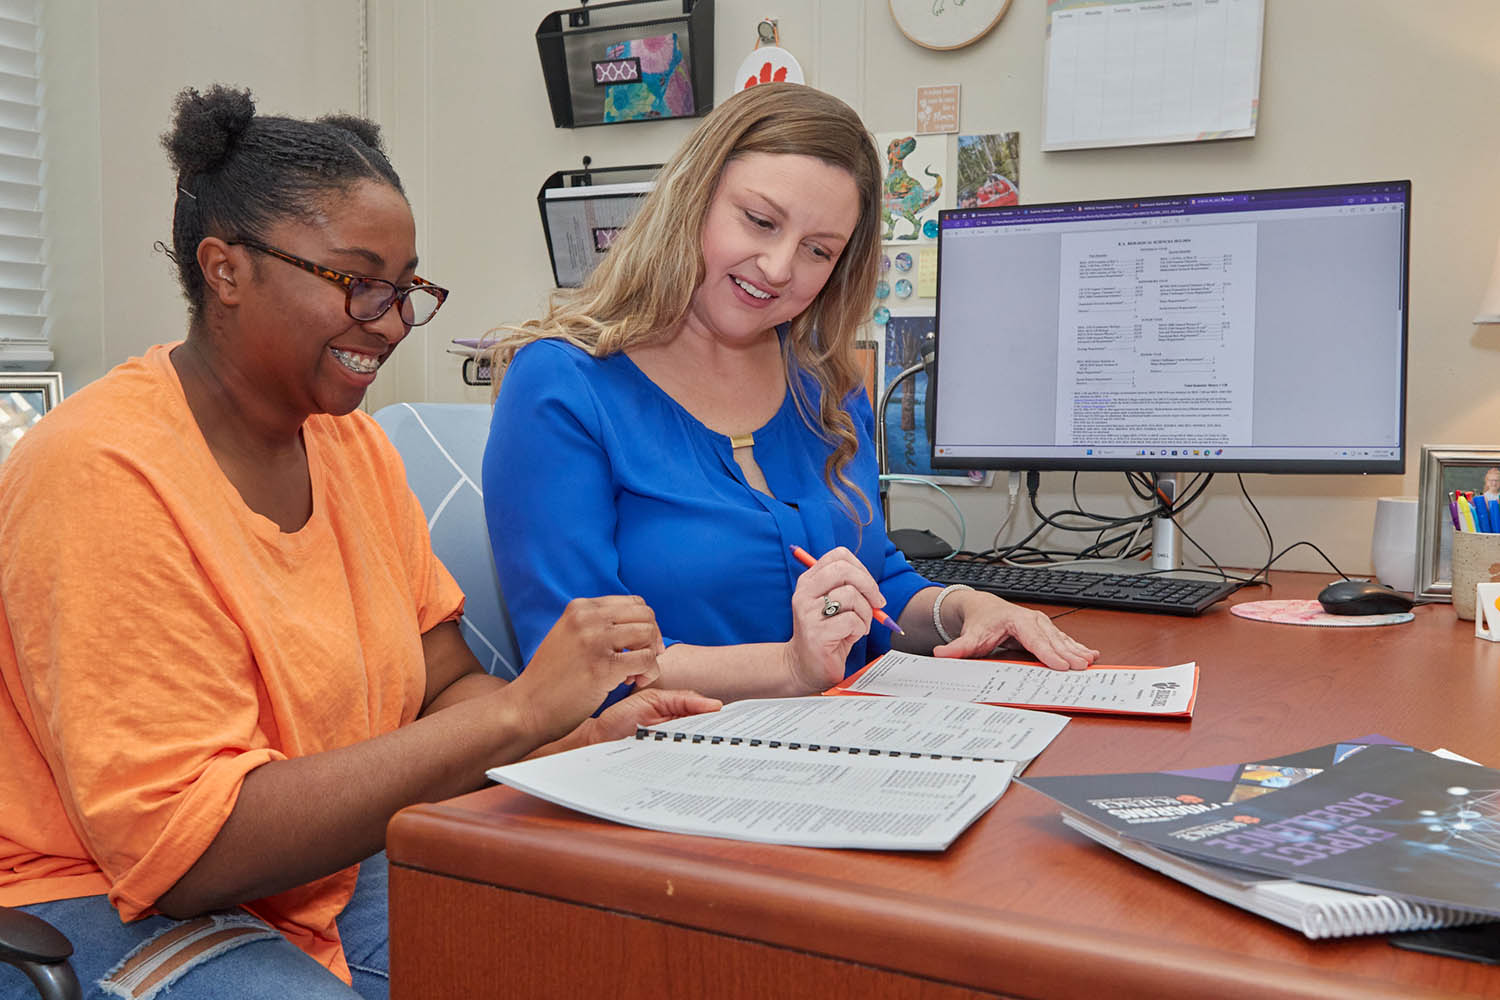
pixel 254 966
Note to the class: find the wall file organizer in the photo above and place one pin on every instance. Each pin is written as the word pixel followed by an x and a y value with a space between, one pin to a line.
pixel 584 210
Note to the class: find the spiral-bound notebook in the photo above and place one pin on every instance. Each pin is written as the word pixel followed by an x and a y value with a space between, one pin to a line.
pixel 1316 910
pixel 1126 812
pixel 877 773
pixel 1385 821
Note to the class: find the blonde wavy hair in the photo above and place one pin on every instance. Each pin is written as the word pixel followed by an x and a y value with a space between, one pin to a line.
pixel 637 295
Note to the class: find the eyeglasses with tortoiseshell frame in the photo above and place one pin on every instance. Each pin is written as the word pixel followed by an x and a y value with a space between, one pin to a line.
pixel 367 299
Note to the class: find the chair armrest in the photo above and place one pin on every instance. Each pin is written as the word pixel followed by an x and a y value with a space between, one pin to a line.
pixel 40 951
pixel 25 938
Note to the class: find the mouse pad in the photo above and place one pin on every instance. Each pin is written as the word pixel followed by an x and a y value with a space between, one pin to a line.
pixel 1310 613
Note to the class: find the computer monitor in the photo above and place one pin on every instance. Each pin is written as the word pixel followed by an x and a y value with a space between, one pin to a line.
pixel 1247 331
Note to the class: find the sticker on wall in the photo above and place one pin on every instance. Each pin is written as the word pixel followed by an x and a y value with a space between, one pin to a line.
pixel 914 170
pixel 768 62
pixel 989 170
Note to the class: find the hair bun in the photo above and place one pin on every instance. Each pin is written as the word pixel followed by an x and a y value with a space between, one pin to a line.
pixel 363 129
pixel 205 127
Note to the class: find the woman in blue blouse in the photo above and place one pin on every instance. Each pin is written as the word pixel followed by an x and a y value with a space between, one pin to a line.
pixel 672 428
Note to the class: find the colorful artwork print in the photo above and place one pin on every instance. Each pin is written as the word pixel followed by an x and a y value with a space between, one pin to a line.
pixel 989 170
pixel 914 170
pixel 907 448
pixel 664 90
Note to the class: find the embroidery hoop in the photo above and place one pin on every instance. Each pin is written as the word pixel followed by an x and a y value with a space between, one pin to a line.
pixel 945 25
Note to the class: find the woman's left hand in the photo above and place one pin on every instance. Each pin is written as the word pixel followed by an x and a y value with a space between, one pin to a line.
pixel 989 621
pixel 647 707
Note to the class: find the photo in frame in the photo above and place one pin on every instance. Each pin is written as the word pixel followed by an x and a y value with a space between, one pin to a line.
pixel 25 397
pixel 1445 468
pixel 989 170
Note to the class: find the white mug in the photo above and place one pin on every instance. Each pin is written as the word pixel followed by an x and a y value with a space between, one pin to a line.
pixel 1487 611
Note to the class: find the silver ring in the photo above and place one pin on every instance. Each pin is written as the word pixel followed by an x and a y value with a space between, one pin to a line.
pixel 830 606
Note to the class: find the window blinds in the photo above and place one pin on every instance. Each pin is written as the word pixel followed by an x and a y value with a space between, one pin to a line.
pixel 23 334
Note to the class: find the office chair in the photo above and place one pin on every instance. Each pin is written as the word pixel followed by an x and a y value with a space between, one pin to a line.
pixel 442 445
pixel 41 952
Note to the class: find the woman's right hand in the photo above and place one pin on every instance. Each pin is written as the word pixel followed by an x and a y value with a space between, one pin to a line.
pixel 820 643
pixel 598 644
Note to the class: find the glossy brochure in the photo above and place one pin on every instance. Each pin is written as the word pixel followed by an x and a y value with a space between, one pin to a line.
pixel 1105 806
pixel 1386 820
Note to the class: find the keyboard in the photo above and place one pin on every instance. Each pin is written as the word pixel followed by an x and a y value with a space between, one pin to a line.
pixel 1125 592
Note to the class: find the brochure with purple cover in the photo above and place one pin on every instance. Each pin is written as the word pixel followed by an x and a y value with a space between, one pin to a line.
pixel 1405 824
pixel 1125 801
pixel 1111 808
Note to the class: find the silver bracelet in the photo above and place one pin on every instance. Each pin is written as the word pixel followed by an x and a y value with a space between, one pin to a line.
pixel 937 609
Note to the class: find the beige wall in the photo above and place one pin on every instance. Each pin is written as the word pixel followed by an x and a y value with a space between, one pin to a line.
pixel 111 70
pixel 1350 90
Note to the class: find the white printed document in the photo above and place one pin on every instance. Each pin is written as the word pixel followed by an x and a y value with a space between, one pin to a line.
pixel 768 794
pixel 1160 691
pixel 875 725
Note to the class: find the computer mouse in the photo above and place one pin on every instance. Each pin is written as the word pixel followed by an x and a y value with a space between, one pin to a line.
pixel 1362 597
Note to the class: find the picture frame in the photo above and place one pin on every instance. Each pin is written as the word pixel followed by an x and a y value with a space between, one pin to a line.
pixel 1445 468
pixel 25 397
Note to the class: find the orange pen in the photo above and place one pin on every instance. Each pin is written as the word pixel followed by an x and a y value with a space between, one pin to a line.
pixel 807 560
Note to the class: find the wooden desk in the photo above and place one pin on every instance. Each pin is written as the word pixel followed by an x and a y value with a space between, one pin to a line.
pixel 496 893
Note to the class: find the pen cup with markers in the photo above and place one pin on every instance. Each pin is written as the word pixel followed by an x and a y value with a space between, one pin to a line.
pixel 1476 560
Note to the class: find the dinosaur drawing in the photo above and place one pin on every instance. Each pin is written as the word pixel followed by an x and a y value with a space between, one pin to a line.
pixel 904 194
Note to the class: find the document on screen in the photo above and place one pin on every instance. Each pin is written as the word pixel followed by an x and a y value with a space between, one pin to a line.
pixel 1157 336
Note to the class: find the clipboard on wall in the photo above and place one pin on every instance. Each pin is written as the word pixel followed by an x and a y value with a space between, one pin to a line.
pixel 1137 72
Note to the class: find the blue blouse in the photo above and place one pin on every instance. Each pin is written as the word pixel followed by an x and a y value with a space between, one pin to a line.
pixel 597 482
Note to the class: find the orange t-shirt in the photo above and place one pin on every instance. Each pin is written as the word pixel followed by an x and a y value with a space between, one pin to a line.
pixel 158 640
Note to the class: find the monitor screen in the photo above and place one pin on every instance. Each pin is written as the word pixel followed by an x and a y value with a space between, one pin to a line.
pixel 1239 331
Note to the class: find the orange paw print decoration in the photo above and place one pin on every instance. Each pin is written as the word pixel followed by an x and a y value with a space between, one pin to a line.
pixel 768 62
pixel 767 75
